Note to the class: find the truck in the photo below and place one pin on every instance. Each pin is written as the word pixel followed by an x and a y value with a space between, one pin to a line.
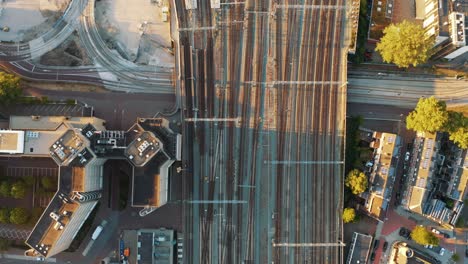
pixel 96 232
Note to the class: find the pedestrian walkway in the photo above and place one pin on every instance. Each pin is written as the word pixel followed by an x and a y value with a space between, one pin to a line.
pixel 22 257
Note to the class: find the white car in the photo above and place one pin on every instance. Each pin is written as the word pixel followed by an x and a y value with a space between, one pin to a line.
pixel 435 231
pixel 442 251
pixel 407 156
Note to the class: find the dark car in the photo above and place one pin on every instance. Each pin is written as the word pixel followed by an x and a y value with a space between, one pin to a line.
pixel 466 252
pixel 405 232
pixel 372 256
pixel 385 245
pixel 376 243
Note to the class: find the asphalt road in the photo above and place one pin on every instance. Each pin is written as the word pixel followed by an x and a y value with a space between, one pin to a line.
pixel 391 89
pixel 120 110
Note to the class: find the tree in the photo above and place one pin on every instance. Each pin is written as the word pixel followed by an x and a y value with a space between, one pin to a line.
pixel 457 126
pixel 405 44
pixel 18 190
pixel 9 88
pixel 5 188
pixel 4 215
pixel 29 180
pixel 48 183
pixel 19 216
pixel 356 181
pixel 455 257
pixel 430 115
pixel 422 236
pixel 349 214
pixel 460 137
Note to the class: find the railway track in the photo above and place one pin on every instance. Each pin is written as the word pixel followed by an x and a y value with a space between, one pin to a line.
pixel 232 71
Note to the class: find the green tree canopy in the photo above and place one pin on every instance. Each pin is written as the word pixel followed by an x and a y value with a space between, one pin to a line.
pixel 356 181
pixel 430 115
pixel 4 215
pixel 460 137
pixel 18 190
pixel 349 214
pixel 5 188
pixel 405 44
pixel 49 183
pixel 457 126
pixel 422 236
pixel 455 257
pixel 9 88
pixel 19 216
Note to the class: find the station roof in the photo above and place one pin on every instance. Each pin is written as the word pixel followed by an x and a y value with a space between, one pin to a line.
pixel 11 141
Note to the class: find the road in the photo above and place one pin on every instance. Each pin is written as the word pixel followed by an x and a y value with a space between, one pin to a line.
pixel 264 131
pixel 405 91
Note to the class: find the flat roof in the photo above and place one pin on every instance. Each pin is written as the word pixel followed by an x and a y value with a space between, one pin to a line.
pixel 360 248
pixel 11 141
pixel 155 246
pixel 38 142
pixel 143 148
pixel 150 183
pixel 53 122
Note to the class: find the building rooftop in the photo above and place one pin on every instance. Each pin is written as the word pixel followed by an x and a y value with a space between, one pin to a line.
pixel 150 183
pixel 67 147
pixel 39 142
pixel 155 246
pixel 143 148
pixel 422 169
pixel 11 141
pixel 383 173
pixel 360 248
pixel 52 122
pixel 403 254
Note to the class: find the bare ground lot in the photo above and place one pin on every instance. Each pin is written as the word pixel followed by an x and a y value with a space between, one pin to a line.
pixel 28 19
pixel 69 53
pixel 136 30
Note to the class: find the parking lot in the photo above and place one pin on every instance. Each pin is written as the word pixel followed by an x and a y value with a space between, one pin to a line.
pixel 31 171
pixel 48 110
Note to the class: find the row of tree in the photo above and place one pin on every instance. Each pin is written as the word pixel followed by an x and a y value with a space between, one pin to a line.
pixel 431 115
pixel 18 216
pixel 16 190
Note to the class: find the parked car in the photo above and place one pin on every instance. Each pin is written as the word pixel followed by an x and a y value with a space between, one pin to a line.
pixel 405 232
pixel 466 252
pixel 445 235
pixel 442 251
pixel 435 231
pixel 376 243
pixel 385 245
pixel 372 256
pixel 407 156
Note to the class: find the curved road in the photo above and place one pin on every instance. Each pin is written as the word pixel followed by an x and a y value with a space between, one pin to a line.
pixel 125 76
